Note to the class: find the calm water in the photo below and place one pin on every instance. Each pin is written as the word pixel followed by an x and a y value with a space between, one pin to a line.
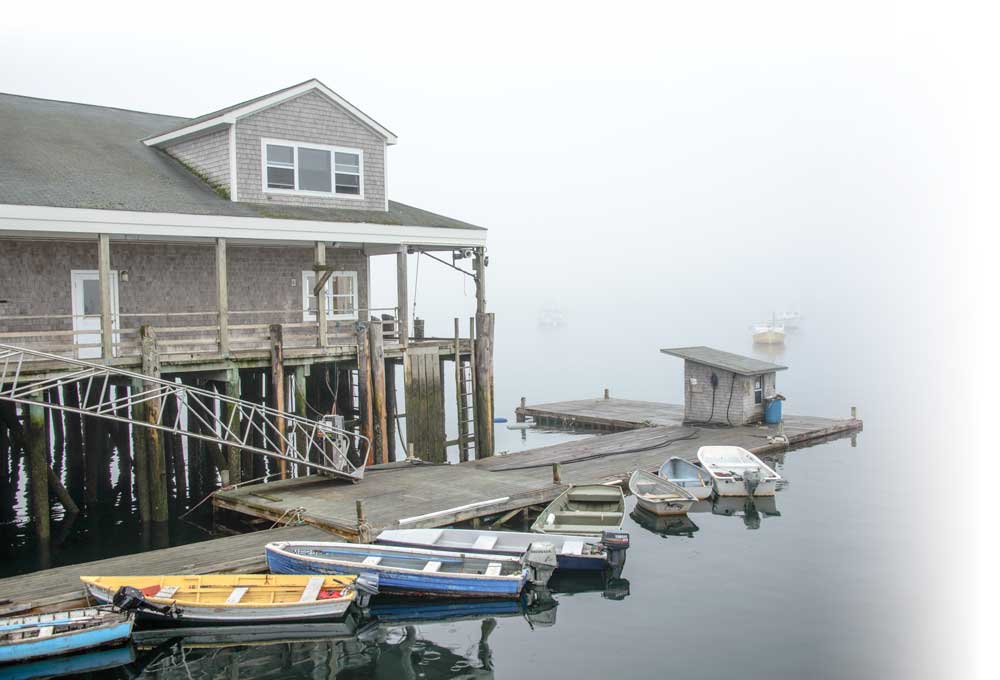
pixel 834 579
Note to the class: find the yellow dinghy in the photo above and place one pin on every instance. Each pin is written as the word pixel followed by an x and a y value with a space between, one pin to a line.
pixel 232 598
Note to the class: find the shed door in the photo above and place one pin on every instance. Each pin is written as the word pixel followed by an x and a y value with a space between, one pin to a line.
pixel 86 292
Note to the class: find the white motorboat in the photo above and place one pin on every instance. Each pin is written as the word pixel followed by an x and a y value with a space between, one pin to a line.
pixel 659 496
pixel 769 334
pixel 693 478
pixel 737 472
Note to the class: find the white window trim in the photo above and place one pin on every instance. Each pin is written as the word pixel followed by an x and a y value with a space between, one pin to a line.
pixel 264 141
pixel 307 294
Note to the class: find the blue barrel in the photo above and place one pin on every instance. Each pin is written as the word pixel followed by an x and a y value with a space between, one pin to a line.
pixel 772 411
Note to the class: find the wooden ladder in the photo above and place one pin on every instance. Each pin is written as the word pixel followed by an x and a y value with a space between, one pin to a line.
pixel 465 393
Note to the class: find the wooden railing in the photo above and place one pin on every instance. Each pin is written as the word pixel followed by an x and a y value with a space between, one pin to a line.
pixel 186 333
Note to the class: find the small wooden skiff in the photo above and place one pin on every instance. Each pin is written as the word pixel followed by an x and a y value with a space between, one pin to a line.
pixel 584 510
pixel 405 571
pixel 572 552
pixel 659 496
pixel 25 638
pixel 737 472
pixel 686 474
pixel 245 598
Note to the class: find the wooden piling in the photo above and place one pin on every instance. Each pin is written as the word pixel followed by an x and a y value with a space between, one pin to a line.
pixel 556 474
pixel 484 385
pixel 391 409
pixel 155 456
pixel 38 471
pixel 607 393
pixel 365 407
pixel 95 445
pixel 402 298
pixel 74 439
pixel 278 390
pixel 140 458
pixel 234 421
pixel 379 407
pixel 299 395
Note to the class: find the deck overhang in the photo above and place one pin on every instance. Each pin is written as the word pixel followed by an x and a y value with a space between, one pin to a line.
pixel 26 221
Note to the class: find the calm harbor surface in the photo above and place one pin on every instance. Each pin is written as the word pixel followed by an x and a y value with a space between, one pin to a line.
pixel 804 585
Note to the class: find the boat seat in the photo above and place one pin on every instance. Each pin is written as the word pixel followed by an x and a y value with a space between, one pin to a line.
pixel 311 591
pixel 371 560
pixel 588 529
pixel 432 567
pixel 572 548
pixel 237 595
pixel 167 592
pixel 493 569
pixel 45 631
pixel 608 496
pixel 583 516
pixel 485 542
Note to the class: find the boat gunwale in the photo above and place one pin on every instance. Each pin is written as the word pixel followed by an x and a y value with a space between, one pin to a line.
pixel 350 593
pixel 521 576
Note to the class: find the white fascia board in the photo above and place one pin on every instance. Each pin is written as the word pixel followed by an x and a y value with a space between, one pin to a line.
pixel 230 117
pixel 39 219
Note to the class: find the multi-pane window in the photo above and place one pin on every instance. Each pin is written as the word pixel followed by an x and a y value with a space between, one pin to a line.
pixel 758 389
pixel 341 295
pixel 312 169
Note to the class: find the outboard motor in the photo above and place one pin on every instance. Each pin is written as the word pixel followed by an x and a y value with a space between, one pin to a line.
pixel 541 561
pixel 616 543
pixel 751 478
pixel 128 599
pixel 366 586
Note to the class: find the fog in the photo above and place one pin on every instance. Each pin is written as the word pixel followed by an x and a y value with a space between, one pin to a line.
pixel 664 176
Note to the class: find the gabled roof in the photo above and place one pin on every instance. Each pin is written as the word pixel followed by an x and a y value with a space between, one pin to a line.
pixel 69 155
pixel 231 114
pixel 727 361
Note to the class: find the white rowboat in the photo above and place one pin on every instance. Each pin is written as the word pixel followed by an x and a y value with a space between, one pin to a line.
pixel 737 472
pixel 658 496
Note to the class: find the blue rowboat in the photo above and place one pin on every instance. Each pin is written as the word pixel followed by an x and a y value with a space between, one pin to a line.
pixel 71 665
pixel 404 571
pixel 573 553
pixel 26 638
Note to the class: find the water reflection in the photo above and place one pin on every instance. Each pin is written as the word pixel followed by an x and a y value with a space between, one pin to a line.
pixel 672 525
pixel 393 640
pixel 751 508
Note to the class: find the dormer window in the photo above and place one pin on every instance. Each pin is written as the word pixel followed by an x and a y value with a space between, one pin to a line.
pixel 311 169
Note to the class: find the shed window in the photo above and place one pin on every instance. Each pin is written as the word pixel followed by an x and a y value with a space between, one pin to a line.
pixel 341 296
pixel 291 167
pixel 758 389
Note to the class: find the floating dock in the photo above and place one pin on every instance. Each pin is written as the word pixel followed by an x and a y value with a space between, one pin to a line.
pixel 426 495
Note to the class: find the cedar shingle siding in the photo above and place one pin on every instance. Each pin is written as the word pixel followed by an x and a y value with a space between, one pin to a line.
pixel 208 155
pixel 310 117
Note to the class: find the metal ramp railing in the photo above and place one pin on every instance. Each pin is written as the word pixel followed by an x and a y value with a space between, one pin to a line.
pixel 317 445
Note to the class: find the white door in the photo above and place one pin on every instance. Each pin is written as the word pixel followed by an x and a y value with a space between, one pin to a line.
pixel 86 291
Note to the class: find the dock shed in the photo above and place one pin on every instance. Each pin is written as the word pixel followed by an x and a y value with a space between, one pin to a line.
pixel 725 388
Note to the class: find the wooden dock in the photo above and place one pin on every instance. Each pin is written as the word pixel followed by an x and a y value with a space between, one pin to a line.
pixel 421 495
pixel 606 413
pixel 59 588
pixel 418 495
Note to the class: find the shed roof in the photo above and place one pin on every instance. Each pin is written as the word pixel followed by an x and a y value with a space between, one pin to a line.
pixel 727 361
pixel 70 155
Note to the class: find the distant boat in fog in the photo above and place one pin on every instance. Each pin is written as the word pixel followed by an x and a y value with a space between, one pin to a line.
pixel 551 316
pixel 771 333
pixel 790 320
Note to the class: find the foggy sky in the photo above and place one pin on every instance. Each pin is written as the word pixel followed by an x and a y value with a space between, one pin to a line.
pixel 766 154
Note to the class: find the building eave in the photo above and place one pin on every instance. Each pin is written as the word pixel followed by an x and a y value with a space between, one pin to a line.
pixel 31 221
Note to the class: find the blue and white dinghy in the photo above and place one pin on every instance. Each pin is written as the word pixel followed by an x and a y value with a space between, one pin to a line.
pixel 415 572
pixel 25 638
pixel 684 473
pixel 573 553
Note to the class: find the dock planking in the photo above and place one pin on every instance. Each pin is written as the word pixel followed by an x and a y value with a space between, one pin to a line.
pixel 59 588
pixel 421 495
pixel 607 413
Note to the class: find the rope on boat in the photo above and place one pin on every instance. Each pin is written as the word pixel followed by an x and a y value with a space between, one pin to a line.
pixel 604 454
